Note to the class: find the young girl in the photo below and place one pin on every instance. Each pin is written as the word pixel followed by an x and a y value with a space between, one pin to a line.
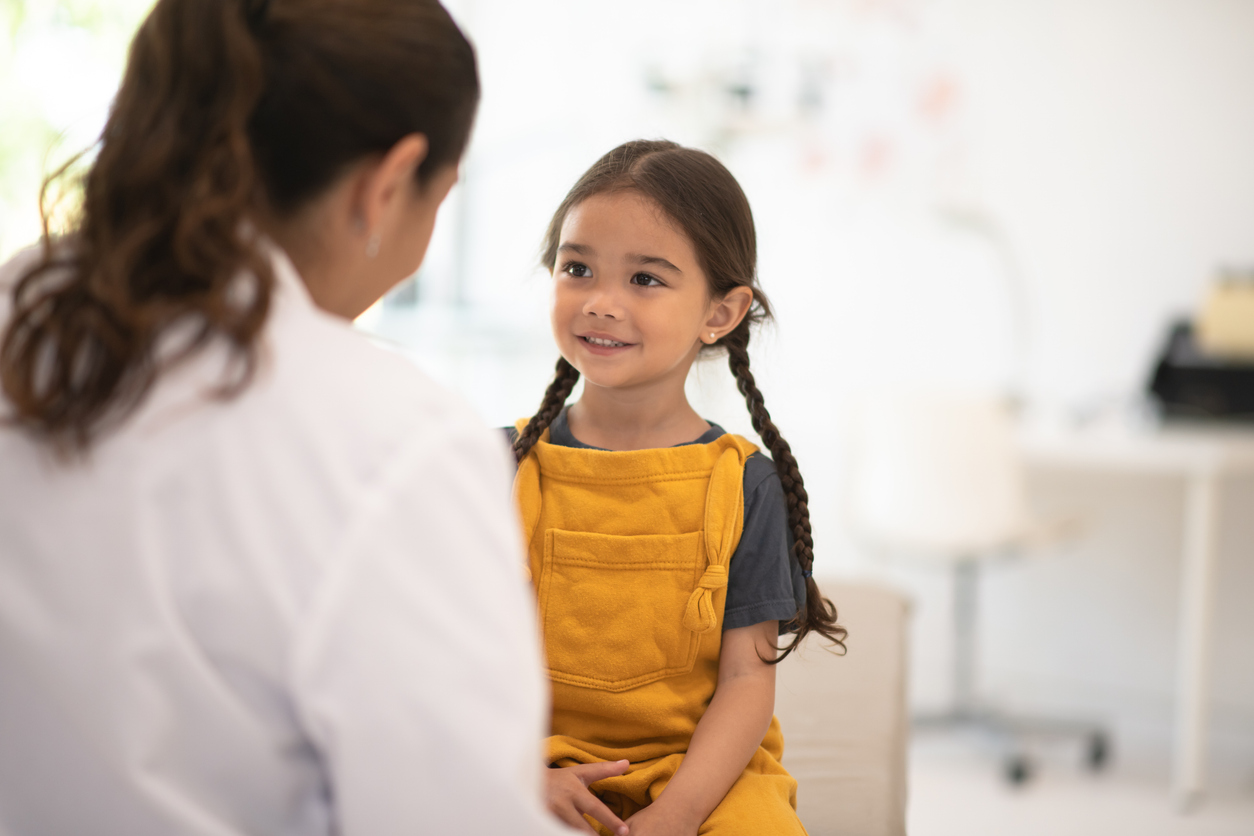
pixel 665 553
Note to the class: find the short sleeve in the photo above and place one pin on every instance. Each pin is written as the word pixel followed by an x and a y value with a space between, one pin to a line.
pixel 764 581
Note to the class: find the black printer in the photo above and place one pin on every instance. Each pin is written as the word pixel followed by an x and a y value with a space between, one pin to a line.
pixel 1188 382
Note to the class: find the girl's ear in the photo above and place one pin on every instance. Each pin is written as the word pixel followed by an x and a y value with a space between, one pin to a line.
pixel 726 313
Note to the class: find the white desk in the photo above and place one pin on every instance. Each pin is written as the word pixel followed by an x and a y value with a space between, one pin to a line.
pixel 1203 456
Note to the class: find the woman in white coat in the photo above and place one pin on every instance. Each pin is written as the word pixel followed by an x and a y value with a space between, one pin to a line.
pixel 257 576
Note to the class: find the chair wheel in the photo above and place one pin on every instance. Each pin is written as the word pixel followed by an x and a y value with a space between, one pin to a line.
pixel 1098 754
pixel 1017 770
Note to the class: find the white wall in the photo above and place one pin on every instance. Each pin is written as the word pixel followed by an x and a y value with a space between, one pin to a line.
pixel 1114 141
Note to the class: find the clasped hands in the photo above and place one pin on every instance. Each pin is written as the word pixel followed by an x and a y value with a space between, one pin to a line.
pixel 568 798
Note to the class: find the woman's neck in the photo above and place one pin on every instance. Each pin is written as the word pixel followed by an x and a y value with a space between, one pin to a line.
pixel 615 419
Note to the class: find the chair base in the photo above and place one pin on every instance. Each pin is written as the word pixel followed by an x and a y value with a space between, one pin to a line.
pixel 970 712
pixel 1014 731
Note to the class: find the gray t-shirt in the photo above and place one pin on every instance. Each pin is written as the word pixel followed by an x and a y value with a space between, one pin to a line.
pixel 764 580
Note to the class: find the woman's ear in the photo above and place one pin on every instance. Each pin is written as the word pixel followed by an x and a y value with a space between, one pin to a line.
pixel 726 313
pixel 388 183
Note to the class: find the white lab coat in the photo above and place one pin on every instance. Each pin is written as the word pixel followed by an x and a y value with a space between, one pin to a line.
pixel 299 611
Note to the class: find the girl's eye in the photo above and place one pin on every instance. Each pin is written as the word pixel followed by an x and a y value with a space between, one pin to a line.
pixel 578 270
pixel 645 280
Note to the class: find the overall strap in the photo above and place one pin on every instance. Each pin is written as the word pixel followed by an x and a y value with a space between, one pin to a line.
pixel 724 517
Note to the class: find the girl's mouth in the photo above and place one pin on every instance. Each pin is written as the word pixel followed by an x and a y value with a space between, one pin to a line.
pixel 603 343
pixel 603 346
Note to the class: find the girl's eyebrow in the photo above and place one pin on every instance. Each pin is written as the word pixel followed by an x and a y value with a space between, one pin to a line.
pixel 653 259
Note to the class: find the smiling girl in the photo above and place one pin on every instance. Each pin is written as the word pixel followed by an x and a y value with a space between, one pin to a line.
pixel 666 553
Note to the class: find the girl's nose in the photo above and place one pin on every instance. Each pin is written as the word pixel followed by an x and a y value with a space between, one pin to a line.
pixel 603 304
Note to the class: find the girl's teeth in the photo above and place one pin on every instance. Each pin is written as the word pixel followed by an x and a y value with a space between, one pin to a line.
pixel 606 343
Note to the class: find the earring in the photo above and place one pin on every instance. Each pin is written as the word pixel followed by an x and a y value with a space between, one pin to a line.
pixel 372 246
pixel 713 337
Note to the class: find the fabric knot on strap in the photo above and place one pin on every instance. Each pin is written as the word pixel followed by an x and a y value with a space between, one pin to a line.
pixel 699 615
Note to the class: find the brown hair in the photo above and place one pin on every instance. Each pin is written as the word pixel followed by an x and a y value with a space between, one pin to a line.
pixel 226 107
pixel 701 195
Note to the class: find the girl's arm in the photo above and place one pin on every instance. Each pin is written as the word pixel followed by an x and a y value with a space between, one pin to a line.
pixel 726 737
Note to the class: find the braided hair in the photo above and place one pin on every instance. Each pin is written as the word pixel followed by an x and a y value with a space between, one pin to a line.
pixel 699 194
pixel 819 613
pixel 554 399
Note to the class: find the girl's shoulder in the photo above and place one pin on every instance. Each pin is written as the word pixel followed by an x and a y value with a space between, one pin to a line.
pixel 760 473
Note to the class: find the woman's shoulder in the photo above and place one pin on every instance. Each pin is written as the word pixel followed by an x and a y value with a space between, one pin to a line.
pixel 330 376
pixel 18 265
pixel 13 271
pixel 323 398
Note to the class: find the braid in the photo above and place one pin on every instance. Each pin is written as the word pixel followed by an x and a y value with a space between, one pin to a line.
pixel 554 399
pixel 819 614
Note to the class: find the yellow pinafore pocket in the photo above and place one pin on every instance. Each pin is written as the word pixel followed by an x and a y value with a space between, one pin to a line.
pixel 618 603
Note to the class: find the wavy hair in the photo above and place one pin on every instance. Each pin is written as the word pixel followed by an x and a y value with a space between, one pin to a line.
pixel 226 107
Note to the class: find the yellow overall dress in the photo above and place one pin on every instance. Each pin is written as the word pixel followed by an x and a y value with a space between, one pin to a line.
pixel 629 554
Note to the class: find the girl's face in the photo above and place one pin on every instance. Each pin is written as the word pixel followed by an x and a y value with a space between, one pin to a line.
pixel 630 302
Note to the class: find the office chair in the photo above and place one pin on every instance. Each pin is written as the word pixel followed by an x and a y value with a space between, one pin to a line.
pixel 936 476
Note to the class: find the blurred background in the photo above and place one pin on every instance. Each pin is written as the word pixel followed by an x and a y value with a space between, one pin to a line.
pixel 1002 202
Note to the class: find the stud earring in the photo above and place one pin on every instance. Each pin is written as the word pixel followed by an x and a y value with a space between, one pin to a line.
pixel 372 246
pixel 713 337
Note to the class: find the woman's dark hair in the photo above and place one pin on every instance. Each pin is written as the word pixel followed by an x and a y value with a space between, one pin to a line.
pixel 226 108
pixel 703 198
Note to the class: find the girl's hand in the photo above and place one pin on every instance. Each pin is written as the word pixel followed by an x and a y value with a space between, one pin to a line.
pixel 658 820
pixel 567 795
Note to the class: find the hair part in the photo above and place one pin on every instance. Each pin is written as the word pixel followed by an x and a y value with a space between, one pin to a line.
pixel 227 108
pixel 701 196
